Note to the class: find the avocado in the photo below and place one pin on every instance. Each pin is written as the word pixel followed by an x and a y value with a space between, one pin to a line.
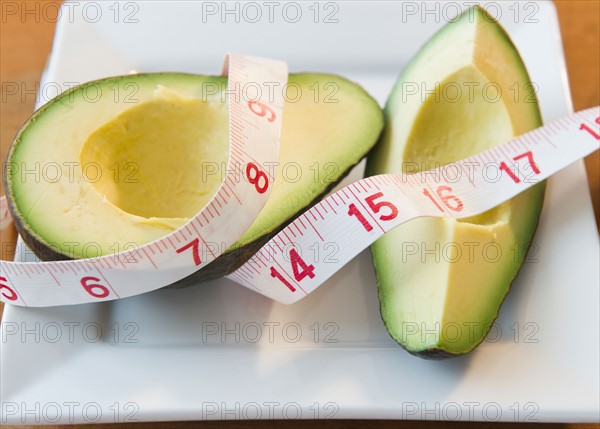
pixel 441 281
pixel 95 171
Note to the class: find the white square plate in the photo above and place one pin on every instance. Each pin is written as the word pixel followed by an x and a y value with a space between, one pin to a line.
pixel 219 351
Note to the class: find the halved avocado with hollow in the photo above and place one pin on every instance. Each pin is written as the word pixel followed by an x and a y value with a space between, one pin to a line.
pixel 441 282
pixel 119 162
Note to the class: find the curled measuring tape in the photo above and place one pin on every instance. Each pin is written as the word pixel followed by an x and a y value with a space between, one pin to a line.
pixel 353 217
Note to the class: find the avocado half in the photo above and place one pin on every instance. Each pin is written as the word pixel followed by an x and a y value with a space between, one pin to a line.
pixel 92 172
pixel 441 282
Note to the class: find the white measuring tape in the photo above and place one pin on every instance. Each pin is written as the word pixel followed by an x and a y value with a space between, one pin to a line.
pixel 353 217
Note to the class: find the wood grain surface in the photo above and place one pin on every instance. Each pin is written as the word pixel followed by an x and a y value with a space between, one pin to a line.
pixel 25 43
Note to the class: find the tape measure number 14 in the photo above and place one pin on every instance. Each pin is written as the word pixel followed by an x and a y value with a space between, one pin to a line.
pixel 353 217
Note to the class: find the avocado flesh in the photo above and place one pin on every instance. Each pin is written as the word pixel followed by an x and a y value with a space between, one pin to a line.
pixel 162 158
pixel 156 148
pixel 441 281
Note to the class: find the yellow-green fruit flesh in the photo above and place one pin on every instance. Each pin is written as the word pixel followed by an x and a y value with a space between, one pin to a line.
pixel 441 281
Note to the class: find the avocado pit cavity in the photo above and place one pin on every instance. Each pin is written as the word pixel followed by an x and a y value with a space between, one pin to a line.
pixel 151 157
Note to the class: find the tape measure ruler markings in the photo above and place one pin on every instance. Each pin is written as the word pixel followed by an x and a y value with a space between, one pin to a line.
pixel 353 217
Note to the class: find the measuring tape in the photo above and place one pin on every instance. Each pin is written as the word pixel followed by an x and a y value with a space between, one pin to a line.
pixel 353 217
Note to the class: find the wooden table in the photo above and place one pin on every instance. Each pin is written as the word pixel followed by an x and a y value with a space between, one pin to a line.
pixel 25 45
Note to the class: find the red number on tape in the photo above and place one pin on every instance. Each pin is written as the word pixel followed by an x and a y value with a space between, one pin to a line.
pixel 354 211
pixel 13 295
pixel 529 155
pixel 451 201
pixel 513 176
pixel 91 285
pixel 299 267
pixel 276 274
pixel 256 178
pixel 589 130
pixel 194 245
pixel 376 207
pixel 262 110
